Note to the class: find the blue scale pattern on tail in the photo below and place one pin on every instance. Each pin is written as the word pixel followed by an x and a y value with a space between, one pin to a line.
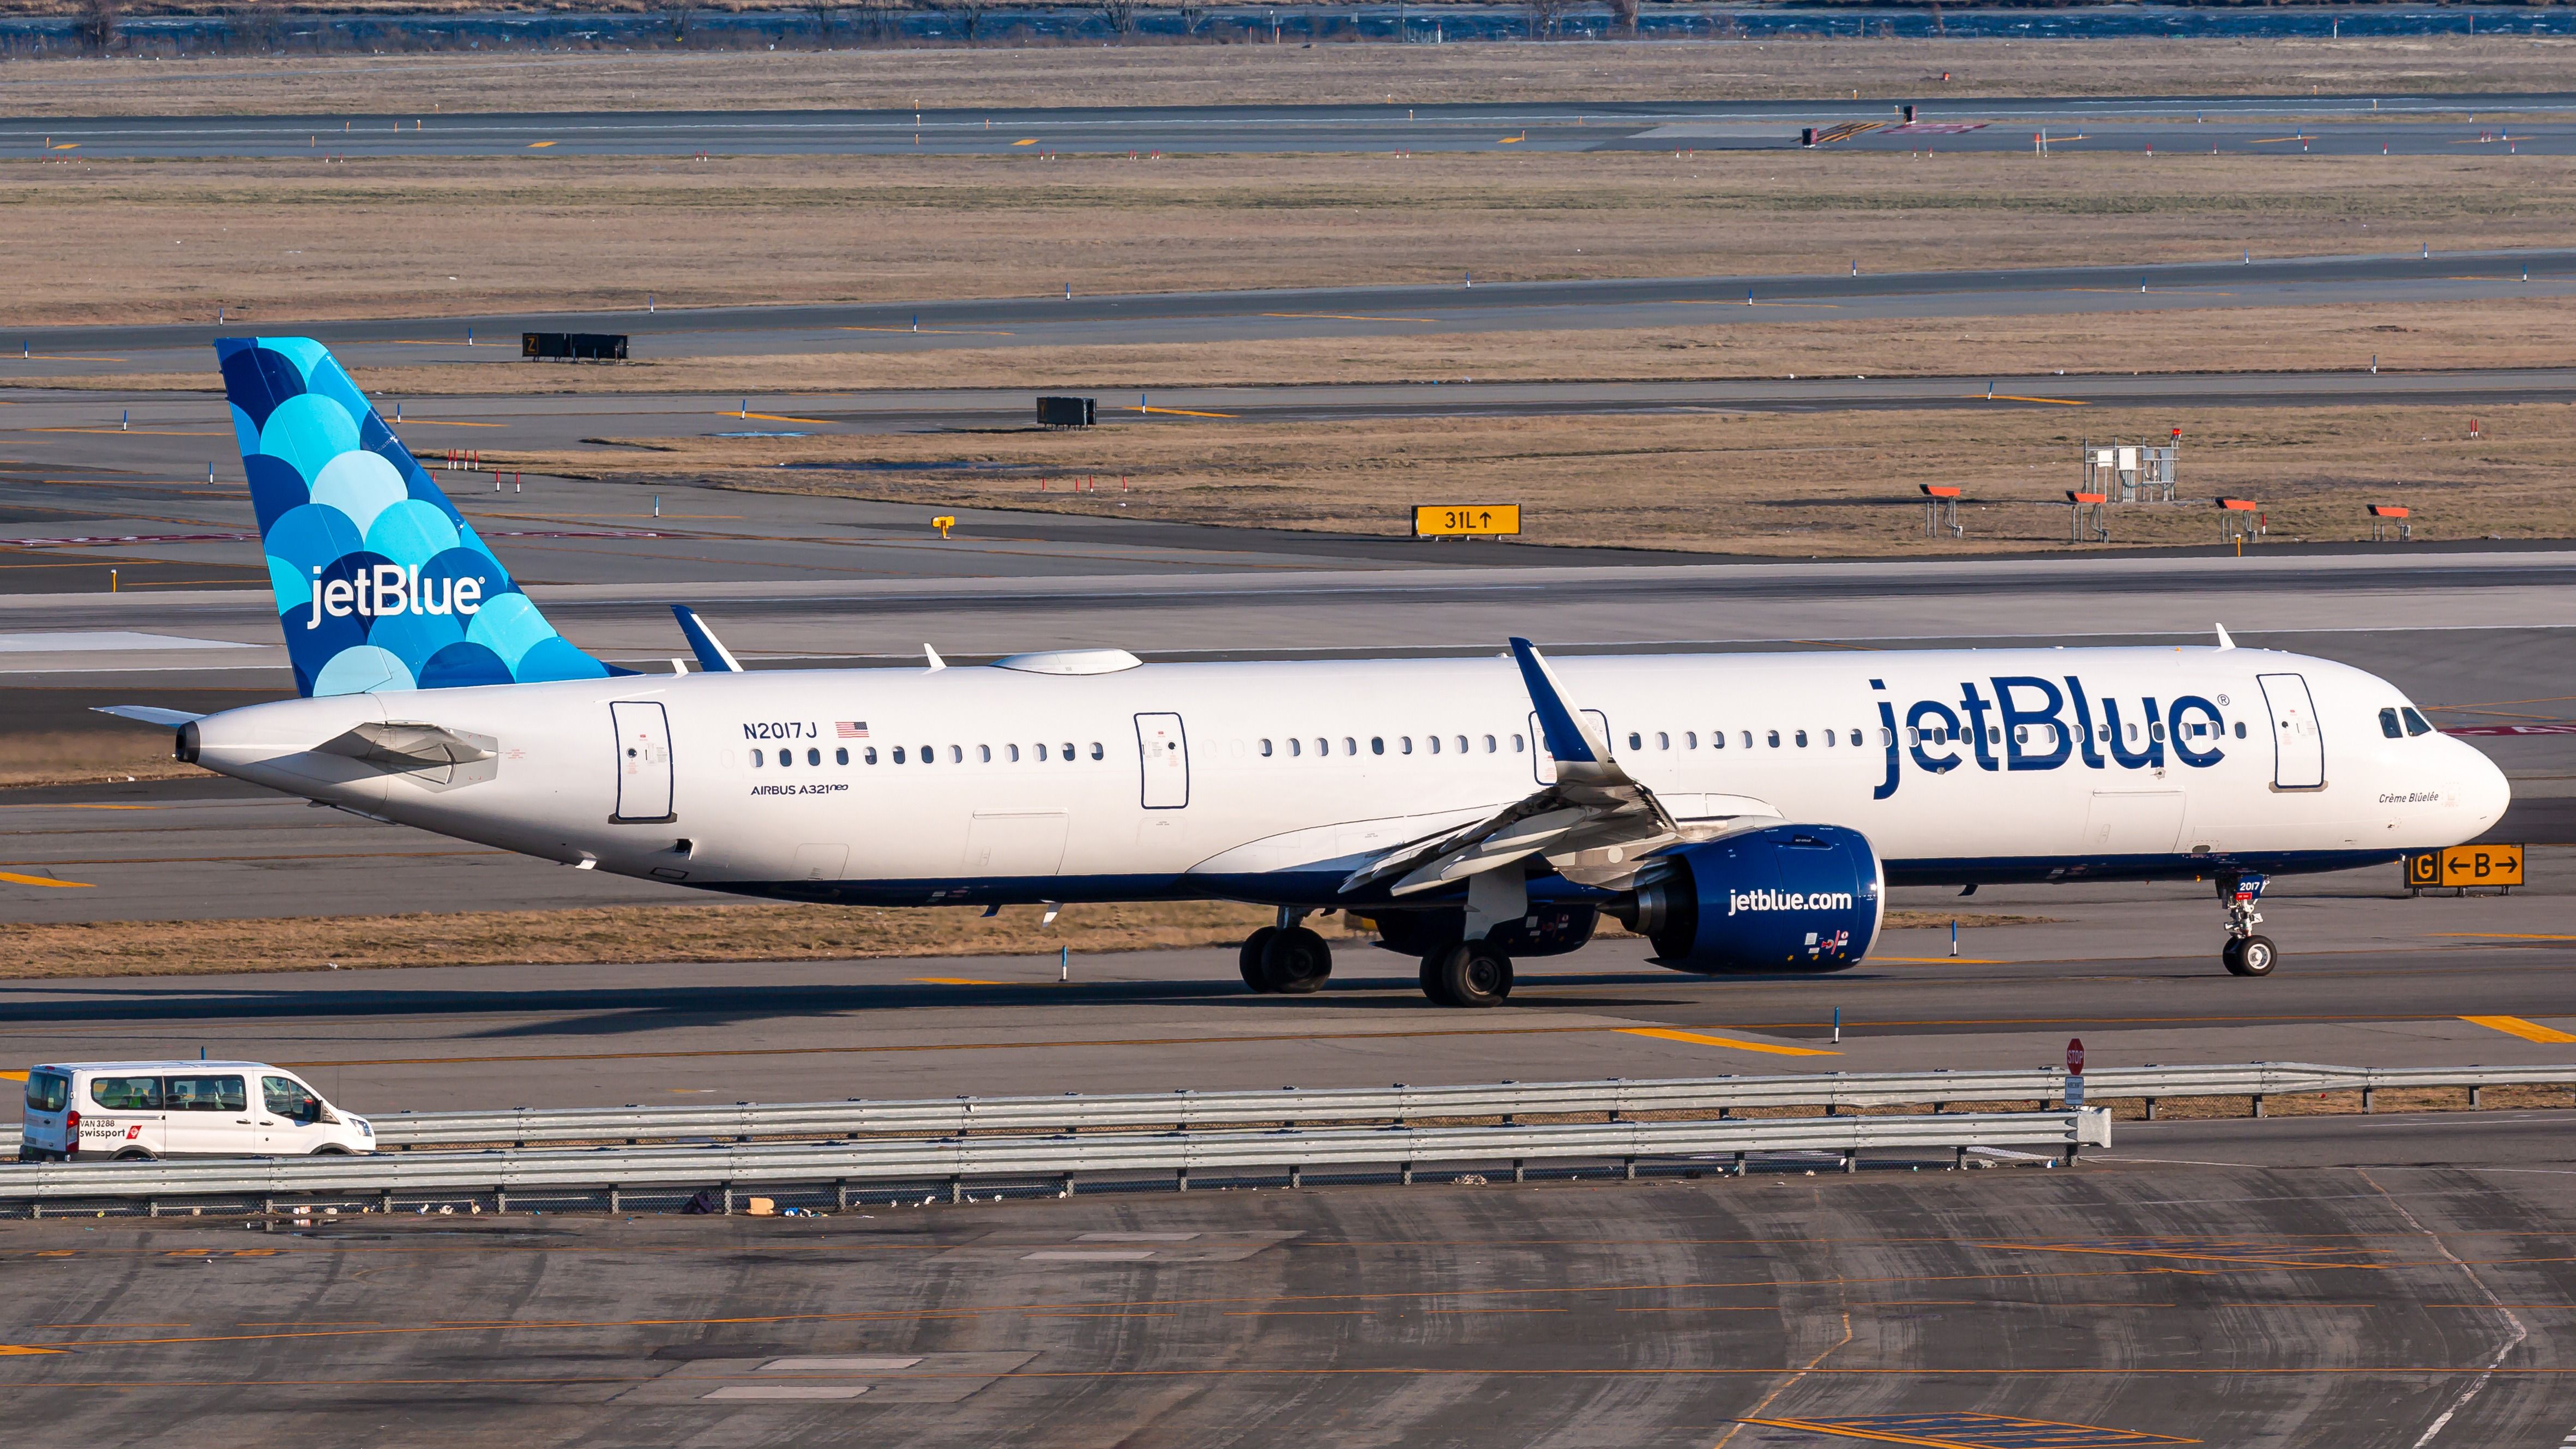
pixel 381 584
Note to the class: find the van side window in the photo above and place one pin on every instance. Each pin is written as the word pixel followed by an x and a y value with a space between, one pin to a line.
pixel 288 1098
pixel 125 1094
pixel 204 1094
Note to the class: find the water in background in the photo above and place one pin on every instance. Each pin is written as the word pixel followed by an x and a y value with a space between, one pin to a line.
pixel 1057 25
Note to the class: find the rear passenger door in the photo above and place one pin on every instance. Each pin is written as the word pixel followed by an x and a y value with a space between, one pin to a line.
pixel 208 1115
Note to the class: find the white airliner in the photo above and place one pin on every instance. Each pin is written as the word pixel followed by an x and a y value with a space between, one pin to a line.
pixel 1744 812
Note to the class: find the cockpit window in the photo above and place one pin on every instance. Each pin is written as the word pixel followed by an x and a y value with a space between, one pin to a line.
pixel 2388 724
pixel 2415 724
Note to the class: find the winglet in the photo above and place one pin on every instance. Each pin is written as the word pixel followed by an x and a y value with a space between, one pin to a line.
pixel 936 663
pixel 145 713
pixel 2223 641
pixel 713 657
pixel 1563 733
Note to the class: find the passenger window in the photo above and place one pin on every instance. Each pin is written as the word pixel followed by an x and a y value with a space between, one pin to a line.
pixel 2240 729
pixel 814 757
pixel 1829 739
pixel 1635 743
pixel 759 758
pixel 1663 741
pixel 2156 731
pixel 2133 732
pixel 1748 739
pixel 841 756
pixel 126 1094
pixel 1041 749
pixel 1855 738
pixel 1913 735
pixel 1434 741
pixel 871 754
pixel 1519 744
pixel 2389 726
pixel 2416 724
pixel 1013 752
pixel 1294 748
pixel 1489 743
pixel 1802 739
pixel 1886 737
pixel 1775 739
pixel 983 754
pixel 1068 752
pixel 1377 744
pixel 1462 744
pixel 1690 739
pixel 204 1094
pixel 1717 739
pixel 1265 749
pixel 956 754
pixel 2021 734
pixel 1323 745
pixel 787 757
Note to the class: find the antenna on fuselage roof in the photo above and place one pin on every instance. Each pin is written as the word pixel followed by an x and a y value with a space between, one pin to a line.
pixel 2223 641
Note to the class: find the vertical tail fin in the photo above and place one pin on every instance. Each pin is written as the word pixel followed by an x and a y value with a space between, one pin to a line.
pixel 381 584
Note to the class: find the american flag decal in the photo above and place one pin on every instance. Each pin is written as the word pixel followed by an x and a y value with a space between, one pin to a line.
pixel 850 729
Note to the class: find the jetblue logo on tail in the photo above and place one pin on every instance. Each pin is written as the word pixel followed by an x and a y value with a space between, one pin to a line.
pixel 381 584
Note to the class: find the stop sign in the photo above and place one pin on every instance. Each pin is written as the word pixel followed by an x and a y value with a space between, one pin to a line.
pixel 2075 1055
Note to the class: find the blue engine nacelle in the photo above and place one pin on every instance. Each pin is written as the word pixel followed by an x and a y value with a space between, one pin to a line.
pixel 1784 898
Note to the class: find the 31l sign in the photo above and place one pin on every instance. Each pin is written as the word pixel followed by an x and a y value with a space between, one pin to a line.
pixel 1466 520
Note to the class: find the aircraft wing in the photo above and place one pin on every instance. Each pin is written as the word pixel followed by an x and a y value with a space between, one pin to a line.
pixel 1594 823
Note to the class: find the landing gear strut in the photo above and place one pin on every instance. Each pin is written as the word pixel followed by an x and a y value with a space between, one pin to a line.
pixel 1286 958
pixel 2245 953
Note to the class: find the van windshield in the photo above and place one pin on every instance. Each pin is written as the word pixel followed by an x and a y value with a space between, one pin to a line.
pixel 48 1091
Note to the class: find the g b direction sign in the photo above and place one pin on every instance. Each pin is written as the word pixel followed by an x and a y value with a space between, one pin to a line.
pixel 1466 520
pixel 2464 866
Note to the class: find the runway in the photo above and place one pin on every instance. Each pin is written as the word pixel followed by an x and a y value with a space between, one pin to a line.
pixel 2143 1305
pixel 1447 305
pixel 2538 124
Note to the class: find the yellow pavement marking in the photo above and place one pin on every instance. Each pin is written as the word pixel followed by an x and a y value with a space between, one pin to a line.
pixel 1738 1044
pixel 2064 402
pixel 59 357
pixel 1031 141
pixel 539 145
pixel 17 879
pixel 1513 140
pixel 1348 317
pixel 957 981
pixel 438 423
pixel 2498 936
pixel 13 1076
pixel 1183 413
pixel 2516 1026
pixel 64 146
pixel 777 418
pixel 137 432
pixel 16 1348
pixel 1967 1431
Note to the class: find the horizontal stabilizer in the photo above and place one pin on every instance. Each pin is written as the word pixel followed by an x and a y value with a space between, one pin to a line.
pixel 713 657
pixel 170 718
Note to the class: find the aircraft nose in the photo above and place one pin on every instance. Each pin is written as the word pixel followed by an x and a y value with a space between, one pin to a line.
pixel 2485 791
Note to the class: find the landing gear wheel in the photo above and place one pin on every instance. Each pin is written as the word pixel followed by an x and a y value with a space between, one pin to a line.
pixel 1296 961
pixel 1468 974
pixel 2251 956
pixel 1253 975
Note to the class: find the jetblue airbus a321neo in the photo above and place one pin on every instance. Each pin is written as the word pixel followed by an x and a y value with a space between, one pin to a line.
pixel 1743 812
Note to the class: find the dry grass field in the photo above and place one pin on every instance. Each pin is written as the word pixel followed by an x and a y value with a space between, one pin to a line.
pixel 625 934
pixel 1784 484
pixel 1329 74
pixel 130 242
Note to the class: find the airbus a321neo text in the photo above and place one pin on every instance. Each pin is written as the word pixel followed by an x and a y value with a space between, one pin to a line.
pixel 1744 812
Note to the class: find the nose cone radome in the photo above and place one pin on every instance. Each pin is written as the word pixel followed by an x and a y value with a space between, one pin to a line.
pixel 2484 793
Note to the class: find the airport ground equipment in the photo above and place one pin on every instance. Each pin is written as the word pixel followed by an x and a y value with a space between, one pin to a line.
pixel 2087 523
pixel 2132 472
pixel 899 1168
pixel 2383 515
pixel 1941 510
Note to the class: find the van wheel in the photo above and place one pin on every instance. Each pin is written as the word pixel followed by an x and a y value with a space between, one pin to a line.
pixel 329 1151
pixel 135 1154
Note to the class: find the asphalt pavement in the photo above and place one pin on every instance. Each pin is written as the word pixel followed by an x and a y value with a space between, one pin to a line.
pixel 2537 124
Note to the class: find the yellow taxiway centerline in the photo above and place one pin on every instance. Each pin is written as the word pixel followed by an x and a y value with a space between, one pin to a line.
pixel 1734 1043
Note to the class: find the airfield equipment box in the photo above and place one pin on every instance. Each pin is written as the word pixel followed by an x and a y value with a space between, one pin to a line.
pixel 574 346
pixel 1066 412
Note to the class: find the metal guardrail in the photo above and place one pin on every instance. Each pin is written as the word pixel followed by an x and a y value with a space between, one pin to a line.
pixel 1187 1111
pixel 1060 1159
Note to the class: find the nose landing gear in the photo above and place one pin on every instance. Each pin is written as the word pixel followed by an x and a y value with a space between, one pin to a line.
pixel 2245 953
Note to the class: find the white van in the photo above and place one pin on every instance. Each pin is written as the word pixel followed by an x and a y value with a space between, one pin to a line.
pixel 100 1111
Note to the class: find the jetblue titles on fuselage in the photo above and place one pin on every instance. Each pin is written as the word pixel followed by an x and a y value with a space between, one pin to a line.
pixel 2030 723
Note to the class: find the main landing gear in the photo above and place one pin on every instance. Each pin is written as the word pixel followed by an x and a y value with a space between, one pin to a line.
pixel 2245 953
pixel 1470 973
pixel 1286 958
